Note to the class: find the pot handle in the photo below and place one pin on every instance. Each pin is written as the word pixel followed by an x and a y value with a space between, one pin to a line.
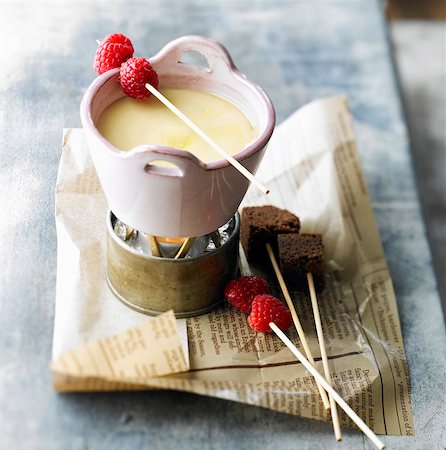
pixel 185 164
pixel 217 57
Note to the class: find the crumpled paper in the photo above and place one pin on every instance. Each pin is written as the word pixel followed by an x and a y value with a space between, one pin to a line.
pixel 312 169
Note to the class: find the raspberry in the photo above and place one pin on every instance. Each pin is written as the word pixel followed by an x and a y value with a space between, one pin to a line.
pixel 266 309
pixel 241 292
pixel 134 75
pixel 112 52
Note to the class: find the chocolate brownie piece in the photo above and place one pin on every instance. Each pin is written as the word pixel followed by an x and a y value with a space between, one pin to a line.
pixel 261 224
pixel 300 254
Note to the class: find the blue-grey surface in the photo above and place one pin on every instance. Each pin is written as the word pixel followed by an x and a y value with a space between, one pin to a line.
pixel 297 50
pixel 424 94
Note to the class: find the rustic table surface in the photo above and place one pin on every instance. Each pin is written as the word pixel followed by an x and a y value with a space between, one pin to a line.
pixel 298 51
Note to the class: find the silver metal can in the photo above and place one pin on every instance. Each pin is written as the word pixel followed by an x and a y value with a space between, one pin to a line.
pixel 151 285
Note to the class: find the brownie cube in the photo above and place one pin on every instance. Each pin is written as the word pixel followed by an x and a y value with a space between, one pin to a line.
pixel 261 224
pixel 298 255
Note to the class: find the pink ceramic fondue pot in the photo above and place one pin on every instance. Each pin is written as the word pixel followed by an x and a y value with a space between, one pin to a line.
pixel 192 198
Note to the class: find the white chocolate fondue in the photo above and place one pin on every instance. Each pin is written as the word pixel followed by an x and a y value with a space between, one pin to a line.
pixel 128 122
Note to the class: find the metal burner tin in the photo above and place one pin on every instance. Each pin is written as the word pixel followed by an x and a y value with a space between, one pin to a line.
pixel 151 285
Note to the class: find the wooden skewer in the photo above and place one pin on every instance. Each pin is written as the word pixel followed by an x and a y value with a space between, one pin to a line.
pixel 128 232
pixel 320 337
pixel 296 321
pixel 154 247
pixel 185 247
pixel 339 400
pixel 206 138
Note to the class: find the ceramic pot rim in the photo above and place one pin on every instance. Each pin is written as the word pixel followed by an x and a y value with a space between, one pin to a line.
pixel 261 140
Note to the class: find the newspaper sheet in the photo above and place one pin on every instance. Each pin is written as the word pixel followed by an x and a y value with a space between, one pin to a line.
pixel 313 169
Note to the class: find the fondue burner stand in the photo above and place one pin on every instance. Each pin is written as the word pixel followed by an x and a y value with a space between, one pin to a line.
pixel 190 285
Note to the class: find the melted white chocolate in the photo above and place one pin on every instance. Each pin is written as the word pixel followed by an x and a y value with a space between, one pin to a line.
pixel 128 123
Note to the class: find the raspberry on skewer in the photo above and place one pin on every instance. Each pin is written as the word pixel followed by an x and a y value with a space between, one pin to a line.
pixel 241 292
pixel 114 50
pixel 135 73
pixel 266 309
